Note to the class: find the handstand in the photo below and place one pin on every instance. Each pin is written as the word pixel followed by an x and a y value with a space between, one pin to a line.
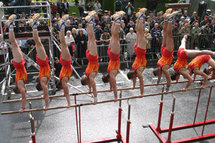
pixel 140 50
pixel 166 48
pixel 114 53
pixel 18 62
pixel 42 60
pixel 65 60
pixel 92 56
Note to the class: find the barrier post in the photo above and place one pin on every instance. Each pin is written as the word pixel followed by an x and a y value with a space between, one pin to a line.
pixel 119 136
pixel 160 112
pixel 171 121
pixel 128 123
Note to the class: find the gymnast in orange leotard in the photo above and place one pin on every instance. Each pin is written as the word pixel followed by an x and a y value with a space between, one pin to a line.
pixel 140 50
pixel 42 60
pixel 195 65
pixel 114 53
pixel 166 48
pixel 65 60
pixel 92 56
pixel 181 63
pixel 18 62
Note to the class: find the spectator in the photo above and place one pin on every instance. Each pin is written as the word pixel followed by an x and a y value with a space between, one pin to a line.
pixel 74 33
pixel 194 18
pixel 131 24
pixel 81 41
pixel 129 10
pixel 175 30
pixel 105 40
pixel 159 17
pixel 204 21
pixel 131 39
pixel 185 30
pixel 96 20
pixel 57 66
pixel 88 7
pixel 195 34
pixel 108 28
pixel 118 5
pixel 81 10
pixel 181 22
pixel 57 17
pixel 156 38
pixel 106 16
pixel 186 15
pixel 205 38
pixel 104 23
pixel 54 9
pixel 124 4
pixel 148 38
pixel 83 22
pixel 70 41
pixel 60 7
pixel 81 29
pixel 98 32
pixel 68 26
pixel 212 27
pixel 65 7
pixel 74 23
pixel 97 5
pixel 100 14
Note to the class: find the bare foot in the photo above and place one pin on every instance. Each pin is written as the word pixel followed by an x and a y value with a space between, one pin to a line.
pixel 95 100
pixel 184 89
pixel 21 110
pixel 68 106
pixel 203 86
pixel 115 99
pixel 141 95
pixel 45 108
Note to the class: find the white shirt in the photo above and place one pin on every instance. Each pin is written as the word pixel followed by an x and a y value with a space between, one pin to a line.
pixel 69 39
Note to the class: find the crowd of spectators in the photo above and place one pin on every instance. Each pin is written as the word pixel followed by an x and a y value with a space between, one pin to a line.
pixel 200 29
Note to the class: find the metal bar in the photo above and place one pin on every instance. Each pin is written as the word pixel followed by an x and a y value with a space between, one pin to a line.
pixel 76 116
pixel 206 113
pixel 102 91
pixel 128 123
pixel 101 102
pixel 79 110
pixel 158 134
pixel 160 112
pixel 171 121
pixel 197 138
pixel 189 125
pixel 197 106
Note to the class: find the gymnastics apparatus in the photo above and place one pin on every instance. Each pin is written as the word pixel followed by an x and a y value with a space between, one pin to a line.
pixel 45 32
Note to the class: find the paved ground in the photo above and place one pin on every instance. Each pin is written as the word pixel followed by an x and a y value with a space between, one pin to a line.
pixel 100 121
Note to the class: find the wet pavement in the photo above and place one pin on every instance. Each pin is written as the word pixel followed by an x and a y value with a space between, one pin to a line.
pixel 100 121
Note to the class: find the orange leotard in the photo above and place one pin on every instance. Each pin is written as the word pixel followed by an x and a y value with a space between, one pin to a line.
pixel 114 63
pixel 93 65
pixel 140 59
pixel 44 67
pixel 198 61
pixel 66 70
pixel 21 73
pixel 166 58
pixel 181 61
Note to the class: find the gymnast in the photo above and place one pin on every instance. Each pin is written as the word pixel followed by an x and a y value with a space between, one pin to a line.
pixel 166 48
pixel 42 60
pixel 181 63
pixel 92 56
pixel 114 53
pixel 140 50
pixel 65 60
pixel 195 65
pixel 18 62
